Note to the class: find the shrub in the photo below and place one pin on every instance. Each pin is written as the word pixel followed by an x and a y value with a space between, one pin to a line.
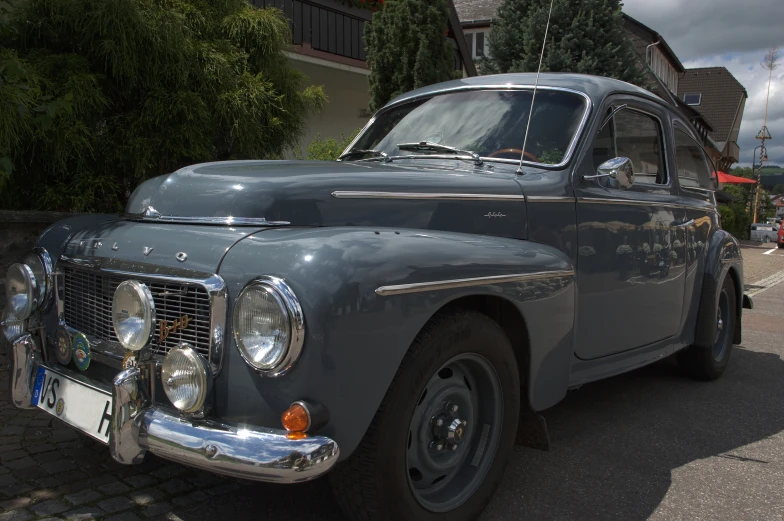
pixel 329 149
pixel 98 95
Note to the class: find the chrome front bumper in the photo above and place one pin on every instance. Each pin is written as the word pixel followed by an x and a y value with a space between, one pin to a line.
pixel 255 453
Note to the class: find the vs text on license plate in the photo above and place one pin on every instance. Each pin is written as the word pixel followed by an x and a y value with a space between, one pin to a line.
pixel 87 408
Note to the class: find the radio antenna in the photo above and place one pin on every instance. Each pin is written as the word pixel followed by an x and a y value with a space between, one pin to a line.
pixel 536 85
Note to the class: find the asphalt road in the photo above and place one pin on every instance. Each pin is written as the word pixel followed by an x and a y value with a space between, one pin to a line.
pixel 651 444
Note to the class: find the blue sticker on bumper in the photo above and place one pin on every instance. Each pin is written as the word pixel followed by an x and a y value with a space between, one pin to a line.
pixel 39 382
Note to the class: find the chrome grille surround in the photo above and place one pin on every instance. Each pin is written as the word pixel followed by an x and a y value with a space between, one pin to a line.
pixel 85 289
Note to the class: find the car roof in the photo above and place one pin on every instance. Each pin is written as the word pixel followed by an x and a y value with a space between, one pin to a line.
pixel 596 87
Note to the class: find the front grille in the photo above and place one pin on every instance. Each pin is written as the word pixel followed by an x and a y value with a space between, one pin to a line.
pixel 88 308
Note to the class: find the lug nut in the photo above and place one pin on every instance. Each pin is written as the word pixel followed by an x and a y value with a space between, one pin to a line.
pixel 437 446
pixel 439 422
pixel 453 447
pixel 451 407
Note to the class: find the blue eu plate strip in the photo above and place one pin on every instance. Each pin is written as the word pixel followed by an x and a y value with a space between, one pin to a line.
pixel 39 382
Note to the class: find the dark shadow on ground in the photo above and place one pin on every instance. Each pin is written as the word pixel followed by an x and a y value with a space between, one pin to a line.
pixel 614 446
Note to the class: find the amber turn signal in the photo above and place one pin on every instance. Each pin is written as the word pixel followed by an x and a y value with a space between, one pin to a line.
pixel 296 418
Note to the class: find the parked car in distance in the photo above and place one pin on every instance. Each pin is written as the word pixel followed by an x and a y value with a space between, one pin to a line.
pixel 764 232
pixel 395 320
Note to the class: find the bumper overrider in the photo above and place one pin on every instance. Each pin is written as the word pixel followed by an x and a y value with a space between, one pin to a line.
pixel 137 427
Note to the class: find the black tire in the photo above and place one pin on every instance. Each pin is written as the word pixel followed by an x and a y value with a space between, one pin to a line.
pixel 709 363
pixel 374 483
pixel 781 245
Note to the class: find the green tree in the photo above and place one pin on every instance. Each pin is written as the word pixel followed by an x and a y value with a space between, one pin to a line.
pixel 407 48
pixel 585 36
pixel 98 95
pixel 778 189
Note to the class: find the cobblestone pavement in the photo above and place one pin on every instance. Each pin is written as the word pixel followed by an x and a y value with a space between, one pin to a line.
pixel 49 471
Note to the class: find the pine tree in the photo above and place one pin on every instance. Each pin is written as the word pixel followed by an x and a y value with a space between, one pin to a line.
pixel 585 36
pixel 98 95
pixel 407 48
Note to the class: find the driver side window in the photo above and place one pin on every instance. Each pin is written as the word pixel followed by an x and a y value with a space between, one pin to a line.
pixel 637 136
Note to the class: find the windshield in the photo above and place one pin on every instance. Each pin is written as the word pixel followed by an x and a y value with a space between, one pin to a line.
pixel 488 122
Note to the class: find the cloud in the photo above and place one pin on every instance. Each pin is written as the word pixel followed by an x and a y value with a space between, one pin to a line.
pixel 713 33
pixel 747 70
pixel 697 28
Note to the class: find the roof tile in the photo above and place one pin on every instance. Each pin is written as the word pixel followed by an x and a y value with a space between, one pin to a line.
pixel 721 93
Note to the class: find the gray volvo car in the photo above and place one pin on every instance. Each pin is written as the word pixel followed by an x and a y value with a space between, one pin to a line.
pixel 396 319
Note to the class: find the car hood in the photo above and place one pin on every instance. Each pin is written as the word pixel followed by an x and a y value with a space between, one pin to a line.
pixel 425 194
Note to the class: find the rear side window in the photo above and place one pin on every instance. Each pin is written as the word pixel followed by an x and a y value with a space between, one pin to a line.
pixel 693 169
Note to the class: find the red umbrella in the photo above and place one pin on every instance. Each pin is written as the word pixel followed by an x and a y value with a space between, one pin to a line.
pixel 733 179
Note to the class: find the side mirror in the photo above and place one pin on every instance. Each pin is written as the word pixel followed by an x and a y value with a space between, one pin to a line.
pixel 618 171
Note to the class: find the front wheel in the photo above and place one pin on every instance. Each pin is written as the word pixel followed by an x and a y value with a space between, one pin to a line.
pixel 437 447
pixel 709 363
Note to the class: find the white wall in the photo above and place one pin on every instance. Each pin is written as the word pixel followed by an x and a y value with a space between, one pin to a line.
pixel 348 93
pixel 471 40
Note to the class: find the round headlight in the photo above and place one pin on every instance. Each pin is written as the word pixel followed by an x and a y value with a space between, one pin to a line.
pixel 133 314
pixel 40 264
pixel 184 377
pixel 268 326
pixel 21 289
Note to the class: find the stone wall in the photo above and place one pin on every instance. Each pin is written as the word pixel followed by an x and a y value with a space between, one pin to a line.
pixel 18 234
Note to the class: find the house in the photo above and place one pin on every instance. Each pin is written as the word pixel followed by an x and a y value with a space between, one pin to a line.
pixel 667 77
pixel 329 47
pixel 721 98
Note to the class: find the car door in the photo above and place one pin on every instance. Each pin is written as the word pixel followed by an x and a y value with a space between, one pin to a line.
pixel 630 271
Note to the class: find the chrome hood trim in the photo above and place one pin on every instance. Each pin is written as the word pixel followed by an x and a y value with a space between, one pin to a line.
pixel 150 214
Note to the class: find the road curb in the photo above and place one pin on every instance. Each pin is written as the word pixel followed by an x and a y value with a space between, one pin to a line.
pixel 766 283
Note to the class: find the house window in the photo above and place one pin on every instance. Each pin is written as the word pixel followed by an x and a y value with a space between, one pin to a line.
pixel 469 41
pixel 692 98
pixel 480 44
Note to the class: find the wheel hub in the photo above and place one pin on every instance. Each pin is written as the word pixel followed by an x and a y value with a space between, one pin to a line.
pixel 719 322
pixel 448 429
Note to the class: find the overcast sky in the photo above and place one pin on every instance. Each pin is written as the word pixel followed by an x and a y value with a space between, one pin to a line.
pixel 733 34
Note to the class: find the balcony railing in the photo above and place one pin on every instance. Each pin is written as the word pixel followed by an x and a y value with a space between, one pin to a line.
pixel 325 25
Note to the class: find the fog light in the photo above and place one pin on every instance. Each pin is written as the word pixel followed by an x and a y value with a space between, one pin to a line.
pixel 133 314
pixel 21 290
pixel 184 377
pixel 296 418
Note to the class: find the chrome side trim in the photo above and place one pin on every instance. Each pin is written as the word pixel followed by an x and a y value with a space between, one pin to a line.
pixel 111 352
pixel 548 199
pixel 631 202
pixel 152 215
pixel 569 151
pixel 732 260
pixel 341 194
pixel 385 291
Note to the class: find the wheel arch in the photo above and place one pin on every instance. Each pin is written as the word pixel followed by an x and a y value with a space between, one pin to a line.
pixel 509 318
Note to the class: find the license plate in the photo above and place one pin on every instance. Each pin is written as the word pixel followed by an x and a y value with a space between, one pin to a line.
pixel 87 408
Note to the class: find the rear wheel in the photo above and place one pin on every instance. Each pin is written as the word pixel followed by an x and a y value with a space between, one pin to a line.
pixel 708 363
pixel 438 445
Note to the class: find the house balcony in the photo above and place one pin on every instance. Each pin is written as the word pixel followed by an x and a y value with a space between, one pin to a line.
pixel 325 29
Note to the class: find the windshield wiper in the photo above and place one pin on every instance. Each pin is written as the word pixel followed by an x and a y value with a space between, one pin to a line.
pixel 378 154
pixel 435 147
